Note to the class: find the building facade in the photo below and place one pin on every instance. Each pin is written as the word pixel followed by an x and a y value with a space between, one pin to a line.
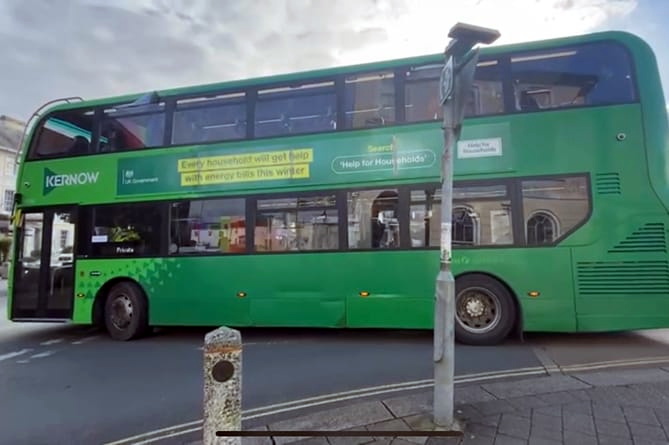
pixel 10 136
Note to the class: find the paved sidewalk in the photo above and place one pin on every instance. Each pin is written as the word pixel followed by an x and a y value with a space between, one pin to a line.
pixel 628 406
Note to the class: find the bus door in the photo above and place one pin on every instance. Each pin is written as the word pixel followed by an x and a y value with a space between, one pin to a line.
pixel 44 268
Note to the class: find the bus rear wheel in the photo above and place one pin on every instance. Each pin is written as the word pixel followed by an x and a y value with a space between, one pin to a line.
pixel 126 314
pixel 484 310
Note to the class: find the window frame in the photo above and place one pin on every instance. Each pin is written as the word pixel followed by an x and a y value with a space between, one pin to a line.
pixel 510 108
pixel 510 185
pixel 168 226
pixel 332 89
pixel 404 210
pixel 258 212
pixel 398 97
pixel 102 117
pixel 586 176
pixel 513 194
pixel 87 229
pixel 206 103
pixel 36 135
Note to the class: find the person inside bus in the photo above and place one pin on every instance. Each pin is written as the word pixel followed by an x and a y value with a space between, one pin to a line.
pixel 378 230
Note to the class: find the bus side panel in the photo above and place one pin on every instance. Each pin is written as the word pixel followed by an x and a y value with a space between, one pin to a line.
pixel 325 289
pixel 268 290
pixel 400 286
pixel 542 269
pixel 622 282
pixel 303 289
pixel 290 289
pixel 183 291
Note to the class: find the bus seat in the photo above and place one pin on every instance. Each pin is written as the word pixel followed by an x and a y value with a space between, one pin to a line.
pixel 79 145
pixel 528 103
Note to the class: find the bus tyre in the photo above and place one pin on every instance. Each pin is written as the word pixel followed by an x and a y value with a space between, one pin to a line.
pixel 485 311
pixel 126 314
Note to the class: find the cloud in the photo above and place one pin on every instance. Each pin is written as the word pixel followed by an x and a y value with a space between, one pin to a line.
pixel 94 48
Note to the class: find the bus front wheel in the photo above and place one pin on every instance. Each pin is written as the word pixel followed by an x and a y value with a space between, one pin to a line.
pixel 126 314
pixel 484 310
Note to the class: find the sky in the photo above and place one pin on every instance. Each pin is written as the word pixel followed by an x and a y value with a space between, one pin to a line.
pixel 95 48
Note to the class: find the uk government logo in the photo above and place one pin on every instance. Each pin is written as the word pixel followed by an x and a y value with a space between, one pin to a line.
pixel 53 180
pixel 128 177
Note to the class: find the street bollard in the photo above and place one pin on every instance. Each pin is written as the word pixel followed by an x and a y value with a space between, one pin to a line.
pixel 222 385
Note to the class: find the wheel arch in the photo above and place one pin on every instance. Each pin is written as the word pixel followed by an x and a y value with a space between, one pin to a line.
pixel 519 318
pixel 101 298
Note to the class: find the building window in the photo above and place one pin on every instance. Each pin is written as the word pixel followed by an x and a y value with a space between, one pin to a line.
pixel 10 167
pixel 63 238
pixel 465 227
pixel 542 227
pixel 482 215
pixel 8 201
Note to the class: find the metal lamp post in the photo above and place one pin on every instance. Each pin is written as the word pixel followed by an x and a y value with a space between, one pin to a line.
pixel 455 84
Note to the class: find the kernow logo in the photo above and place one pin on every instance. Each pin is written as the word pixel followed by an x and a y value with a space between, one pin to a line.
pixel 54 180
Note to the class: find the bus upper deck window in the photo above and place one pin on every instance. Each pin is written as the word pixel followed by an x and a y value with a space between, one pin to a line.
pixel 594 74
pixel 132 128
pixel 370 100
pixel 66 133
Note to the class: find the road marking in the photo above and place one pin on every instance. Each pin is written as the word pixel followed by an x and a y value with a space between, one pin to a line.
pixel 327 399
pixel 616 364
pixel 180 433
pixel 43 354
pixel 264 413
pixel 14 354
pixel 51 342
pixel 542 355
pixel 85 339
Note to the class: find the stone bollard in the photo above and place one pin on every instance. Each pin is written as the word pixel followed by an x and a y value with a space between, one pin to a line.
pixel 222 385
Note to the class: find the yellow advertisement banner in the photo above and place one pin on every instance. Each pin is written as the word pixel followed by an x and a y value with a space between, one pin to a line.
pixel 270 173
pixel 246 161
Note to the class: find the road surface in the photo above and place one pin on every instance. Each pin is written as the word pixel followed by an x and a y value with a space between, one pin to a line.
pixel 69 384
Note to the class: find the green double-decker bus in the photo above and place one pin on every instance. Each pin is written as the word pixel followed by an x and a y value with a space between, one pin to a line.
pixel 313 199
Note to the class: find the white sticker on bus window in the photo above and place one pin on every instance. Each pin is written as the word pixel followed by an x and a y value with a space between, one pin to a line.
pixel 99 238
pixel 480 148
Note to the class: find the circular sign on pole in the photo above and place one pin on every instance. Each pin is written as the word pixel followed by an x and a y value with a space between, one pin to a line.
pixel 446 81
